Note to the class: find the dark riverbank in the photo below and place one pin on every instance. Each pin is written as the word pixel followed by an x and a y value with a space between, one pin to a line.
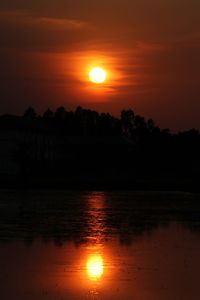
pixel 83 149
pixel 85 181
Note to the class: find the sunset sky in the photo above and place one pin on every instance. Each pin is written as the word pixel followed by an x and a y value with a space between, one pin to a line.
pixel 150 50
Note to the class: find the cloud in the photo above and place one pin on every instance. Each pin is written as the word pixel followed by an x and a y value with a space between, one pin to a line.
pixel 25 18
pixel 24 30
pixel 62 24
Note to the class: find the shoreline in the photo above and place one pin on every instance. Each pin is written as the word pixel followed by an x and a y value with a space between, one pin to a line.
pixel 93 183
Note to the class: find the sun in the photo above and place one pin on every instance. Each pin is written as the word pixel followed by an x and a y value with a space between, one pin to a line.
pixel 97 75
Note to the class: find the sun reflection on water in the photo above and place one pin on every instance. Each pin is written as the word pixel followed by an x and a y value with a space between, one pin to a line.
pixel 94 261
pixel 95 267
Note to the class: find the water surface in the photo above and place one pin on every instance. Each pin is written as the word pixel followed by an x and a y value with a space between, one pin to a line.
pixel 99 245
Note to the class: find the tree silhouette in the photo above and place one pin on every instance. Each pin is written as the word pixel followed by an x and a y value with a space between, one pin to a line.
pixel 83 140
pixel 48 114
pixel 30 113
pixel 60 114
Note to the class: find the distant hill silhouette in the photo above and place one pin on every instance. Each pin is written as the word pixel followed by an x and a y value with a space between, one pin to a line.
pixel 87 149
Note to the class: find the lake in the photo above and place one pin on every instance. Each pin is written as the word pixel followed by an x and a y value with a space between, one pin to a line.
pixel 66 245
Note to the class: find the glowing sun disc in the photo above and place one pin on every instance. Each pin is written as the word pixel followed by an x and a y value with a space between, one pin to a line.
pixel 97 75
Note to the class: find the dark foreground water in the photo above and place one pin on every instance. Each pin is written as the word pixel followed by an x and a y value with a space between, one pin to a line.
pixel 57 245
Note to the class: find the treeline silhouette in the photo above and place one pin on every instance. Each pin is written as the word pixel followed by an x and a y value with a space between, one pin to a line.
pixel 97 148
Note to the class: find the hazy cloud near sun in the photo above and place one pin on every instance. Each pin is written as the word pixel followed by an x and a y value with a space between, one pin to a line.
pixel 26 30
pixel 26 18
pixel 62 25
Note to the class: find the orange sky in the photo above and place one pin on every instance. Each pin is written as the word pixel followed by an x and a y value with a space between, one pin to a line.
pixel 149 48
